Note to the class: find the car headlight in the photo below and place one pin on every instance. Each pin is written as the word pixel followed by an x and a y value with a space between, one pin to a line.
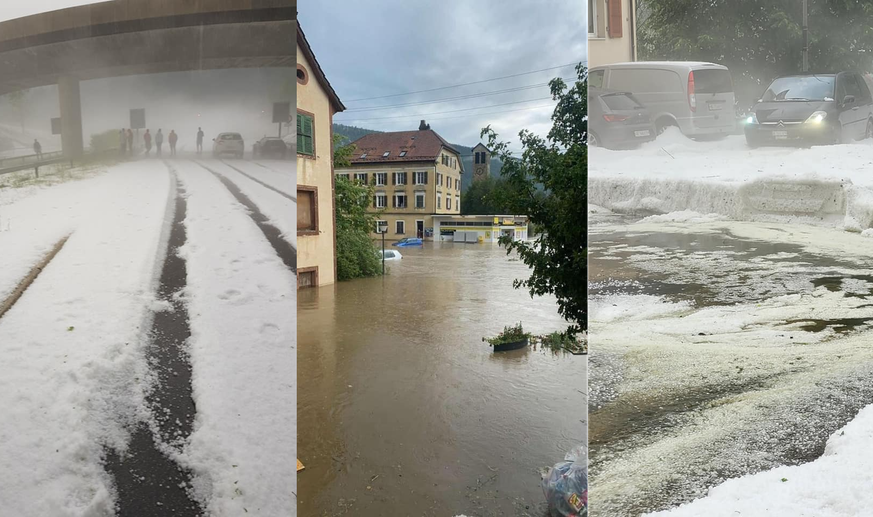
pixel 817 117
pixel 752 119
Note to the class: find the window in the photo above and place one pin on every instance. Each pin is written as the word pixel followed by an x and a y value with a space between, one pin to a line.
pixel 457 184
pixel 380 200
pixel 385 154
pixel 419 178
pixel 653 80
pixel 595 78
pixel 305 132
pixel 307 277
pixel 399 178
pixel 439 179
pixel 439 199
pixel 615 18
pixel 402 154
pixel 302 76
pixel 457 202
pixel 400 227
pixel 381 178
pixel 400 200
pixel 361 176
pixel 307 210
pixel 363 156
pixel 448 202
pixel 419 200
pixel 343 176
pixel 592 19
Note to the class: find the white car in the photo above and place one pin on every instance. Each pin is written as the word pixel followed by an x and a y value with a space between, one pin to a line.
pixel 391 254
pixel 228 143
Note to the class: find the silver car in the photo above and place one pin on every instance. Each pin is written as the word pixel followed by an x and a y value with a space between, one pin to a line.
pixel 696 97
pixel 228 143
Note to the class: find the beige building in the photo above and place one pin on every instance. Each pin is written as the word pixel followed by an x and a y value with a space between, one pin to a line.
pixel 417 175
pixel 612 29
pixel 316 223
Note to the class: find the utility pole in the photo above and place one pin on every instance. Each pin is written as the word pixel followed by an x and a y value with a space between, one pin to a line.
pixel 805 38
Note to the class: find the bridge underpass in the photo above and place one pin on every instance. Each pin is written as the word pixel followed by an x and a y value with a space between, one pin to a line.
pixel 137 37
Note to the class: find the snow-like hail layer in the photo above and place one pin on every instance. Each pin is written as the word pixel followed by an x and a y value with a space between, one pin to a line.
pixel 72 347
pixel 826 185
pixel 270 172
pixel 242 301
pixel 835 485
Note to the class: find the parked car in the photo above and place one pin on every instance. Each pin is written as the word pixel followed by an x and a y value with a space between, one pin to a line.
pixel 228 143
pixel 408 241
pixel 812 109
pixel 270 147
pixel 391 255
pixel 617 120
pixel 696 97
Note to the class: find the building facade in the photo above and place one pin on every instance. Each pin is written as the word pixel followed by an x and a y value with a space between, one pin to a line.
pixel 612 30
pixel 416 175
pixel 316 224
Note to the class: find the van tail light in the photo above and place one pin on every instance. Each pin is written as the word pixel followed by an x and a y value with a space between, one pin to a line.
pixel 614 118
pixel 692 98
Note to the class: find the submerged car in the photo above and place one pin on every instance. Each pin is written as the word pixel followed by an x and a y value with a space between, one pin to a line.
pixel 408 241
pixel 617 120
pixel 812 109
pixel 270 147
pixel 391 254
pixel 228 143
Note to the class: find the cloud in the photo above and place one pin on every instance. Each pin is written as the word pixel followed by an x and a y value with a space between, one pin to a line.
pixel 374 49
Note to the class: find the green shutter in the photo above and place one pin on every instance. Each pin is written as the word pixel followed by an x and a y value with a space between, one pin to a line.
pixel 304 135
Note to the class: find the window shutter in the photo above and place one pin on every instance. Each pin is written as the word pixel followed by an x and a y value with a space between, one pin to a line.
pixel 425 177
pixel 394 201
pixel 615 18
pixel 394 178
pixel 366 178
pixel 375 204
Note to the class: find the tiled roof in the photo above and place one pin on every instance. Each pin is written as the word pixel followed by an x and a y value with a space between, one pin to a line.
pixel 421 145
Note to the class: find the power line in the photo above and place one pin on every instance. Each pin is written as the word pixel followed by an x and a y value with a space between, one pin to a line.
pixel 466 84
pixel 449 111
pixel 499 112
pixel 447 99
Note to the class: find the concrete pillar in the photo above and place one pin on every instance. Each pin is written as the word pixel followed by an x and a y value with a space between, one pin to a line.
pixel 71 117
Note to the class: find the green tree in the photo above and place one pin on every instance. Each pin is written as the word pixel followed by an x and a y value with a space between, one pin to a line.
pixel 549 184
pixel 356 256
pixel 759 40
pixel 485 197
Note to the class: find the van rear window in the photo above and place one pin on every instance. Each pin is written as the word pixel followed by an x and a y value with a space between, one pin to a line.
pixel 712 81
pixel 644 80
pixel 621 102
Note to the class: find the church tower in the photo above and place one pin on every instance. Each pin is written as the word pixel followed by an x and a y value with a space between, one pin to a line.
pixel 481 162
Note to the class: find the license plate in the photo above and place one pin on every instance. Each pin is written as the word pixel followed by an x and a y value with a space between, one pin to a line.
pixel 644 132
pixel 715 107
pixel 780 135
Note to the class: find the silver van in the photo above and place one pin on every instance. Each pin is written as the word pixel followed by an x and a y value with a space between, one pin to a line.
pixel 697 97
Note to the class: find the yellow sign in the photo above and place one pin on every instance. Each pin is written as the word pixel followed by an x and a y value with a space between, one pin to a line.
pixel 508 221
pixel 496 220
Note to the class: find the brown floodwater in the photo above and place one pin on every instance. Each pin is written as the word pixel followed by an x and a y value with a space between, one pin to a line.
pixel 404 411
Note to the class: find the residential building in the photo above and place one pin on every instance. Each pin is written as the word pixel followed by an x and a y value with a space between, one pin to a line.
pixel 612 32
pixel 417 175
pixel 316 222
pixel 481 162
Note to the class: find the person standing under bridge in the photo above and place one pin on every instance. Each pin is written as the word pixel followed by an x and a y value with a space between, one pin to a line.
pixel 159 140
pixel 173 138
pixel 37 149
pixel 199 140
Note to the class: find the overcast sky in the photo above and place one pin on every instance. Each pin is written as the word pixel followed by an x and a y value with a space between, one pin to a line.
pixel 386 47
pixel 10 9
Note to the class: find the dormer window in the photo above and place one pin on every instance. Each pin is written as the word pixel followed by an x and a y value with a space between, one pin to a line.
pixel 363 156
pixel 402 154
pixel 385 154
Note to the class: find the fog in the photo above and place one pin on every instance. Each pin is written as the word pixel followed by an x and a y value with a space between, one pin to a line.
pixel 218 101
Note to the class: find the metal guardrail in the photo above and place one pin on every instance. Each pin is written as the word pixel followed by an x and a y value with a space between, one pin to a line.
pixel 58 158
pixel 9 162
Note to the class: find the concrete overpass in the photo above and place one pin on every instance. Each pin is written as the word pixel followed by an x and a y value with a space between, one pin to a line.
pixel 134 37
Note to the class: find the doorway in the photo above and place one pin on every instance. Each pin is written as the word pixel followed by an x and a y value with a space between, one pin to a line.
pixel 419 228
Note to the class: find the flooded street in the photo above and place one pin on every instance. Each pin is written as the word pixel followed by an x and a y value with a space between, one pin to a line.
pixel 719 349
pixel 403 410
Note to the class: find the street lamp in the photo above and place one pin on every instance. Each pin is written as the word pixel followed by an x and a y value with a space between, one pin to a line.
pixel 382 227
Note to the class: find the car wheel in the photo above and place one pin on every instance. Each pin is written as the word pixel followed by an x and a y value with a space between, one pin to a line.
pixel 838 134
pixel 662 125
pixel 593 140
pixel 751 143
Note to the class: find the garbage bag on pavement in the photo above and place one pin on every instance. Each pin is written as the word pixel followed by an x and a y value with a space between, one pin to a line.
pixel 566 485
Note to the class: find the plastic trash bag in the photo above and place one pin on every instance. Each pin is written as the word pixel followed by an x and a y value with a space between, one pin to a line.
pixel 566 485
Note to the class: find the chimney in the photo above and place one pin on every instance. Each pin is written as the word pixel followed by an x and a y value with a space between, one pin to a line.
pixel 423 126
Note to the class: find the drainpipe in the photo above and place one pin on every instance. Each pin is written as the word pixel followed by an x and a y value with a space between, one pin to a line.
pixel 633 31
